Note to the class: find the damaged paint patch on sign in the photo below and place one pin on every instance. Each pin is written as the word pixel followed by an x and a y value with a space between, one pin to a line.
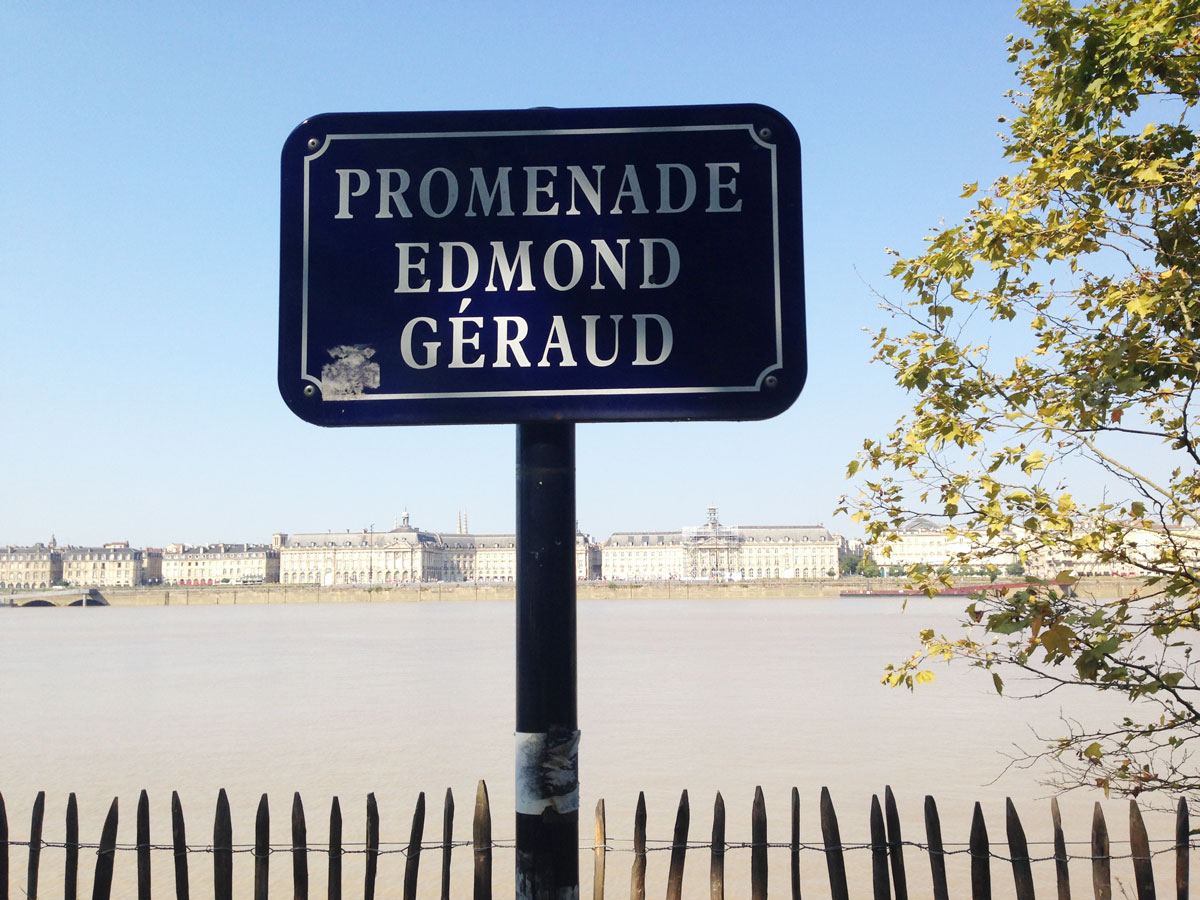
pixel 547 772
pixel 351 372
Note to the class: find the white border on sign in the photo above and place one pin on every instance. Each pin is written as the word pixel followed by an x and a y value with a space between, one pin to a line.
pixel 576 392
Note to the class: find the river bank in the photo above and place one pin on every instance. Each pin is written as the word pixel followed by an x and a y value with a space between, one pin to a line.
pixel 230 595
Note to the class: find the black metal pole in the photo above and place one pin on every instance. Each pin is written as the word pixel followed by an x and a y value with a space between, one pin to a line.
pixel 547 740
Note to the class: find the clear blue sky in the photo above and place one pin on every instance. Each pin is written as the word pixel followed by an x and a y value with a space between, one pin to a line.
pixel 139 222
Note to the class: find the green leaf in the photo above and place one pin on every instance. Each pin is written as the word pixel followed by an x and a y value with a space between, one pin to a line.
pixel 1007 626
pixel 1057 640
pixel 998 683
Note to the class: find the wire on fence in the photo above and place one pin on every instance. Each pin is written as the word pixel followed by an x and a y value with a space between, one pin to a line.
pixel 394 848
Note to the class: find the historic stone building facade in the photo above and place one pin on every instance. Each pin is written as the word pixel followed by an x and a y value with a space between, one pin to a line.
pixel 30 568
pixel 403 555
pixel 408 555
pixel 113 565
pixel 921 541
pixel 643 556
pixel 804 551
pixel 220 564
pixel 716 552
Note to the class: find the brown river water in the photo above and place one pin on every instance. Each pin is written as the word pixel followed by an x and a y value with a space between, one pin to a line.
pixel 399 698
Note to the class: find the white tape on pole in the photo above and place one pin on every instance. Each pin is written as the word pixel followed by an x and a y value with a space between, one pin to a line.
pixel 547 772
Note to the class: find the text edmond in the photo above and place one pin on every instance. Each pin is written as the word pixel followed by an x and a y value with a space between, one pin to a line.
pixel 439 191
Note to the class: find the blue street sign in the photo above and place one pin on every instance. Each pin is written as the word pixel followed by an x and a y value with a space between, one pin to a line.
pixel 541 265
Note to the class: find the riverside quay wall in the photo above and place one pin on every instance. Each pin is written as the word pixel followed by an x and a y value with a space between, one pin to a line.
pixel 229 595
pixel 849 588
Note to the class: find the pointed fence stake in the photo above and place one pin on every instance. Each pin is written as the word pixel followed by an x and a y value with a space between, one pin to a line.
pixel 143 846
pixel 880 889
pixel 102 883
pixel 223 849
pixel 179 846
pixel 35 845
pixel 637 875
pixel 835 862
pixel 600 851
pixel 679 849
pixel 335 850
pixel 981 862
pixel 71 872
pixel 716 868
pixel 447 841
pixel 1018 851
pixel 299 850
pixel 794 846
pixel 372 848
pixel 1139 846
pixel 895 844
pixel 262 849
pixel 412 861
pixel 481 837
pixel 937 855
pixel 1061 867
pixel 758 847
pixel 1101 862
pixel 1183 841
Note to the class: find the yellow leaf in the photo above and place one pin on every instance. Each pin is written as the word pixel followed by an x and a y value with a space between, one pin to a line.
pixel 1140 305
pixel 1150 173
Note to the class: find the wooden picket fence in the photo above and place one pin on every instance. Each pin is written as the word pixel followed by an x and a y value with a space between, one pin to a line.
pixel 886 846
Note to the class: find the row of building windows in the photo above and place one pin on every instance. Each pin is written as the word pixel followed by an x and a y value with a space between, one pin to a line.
pixel 407 555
